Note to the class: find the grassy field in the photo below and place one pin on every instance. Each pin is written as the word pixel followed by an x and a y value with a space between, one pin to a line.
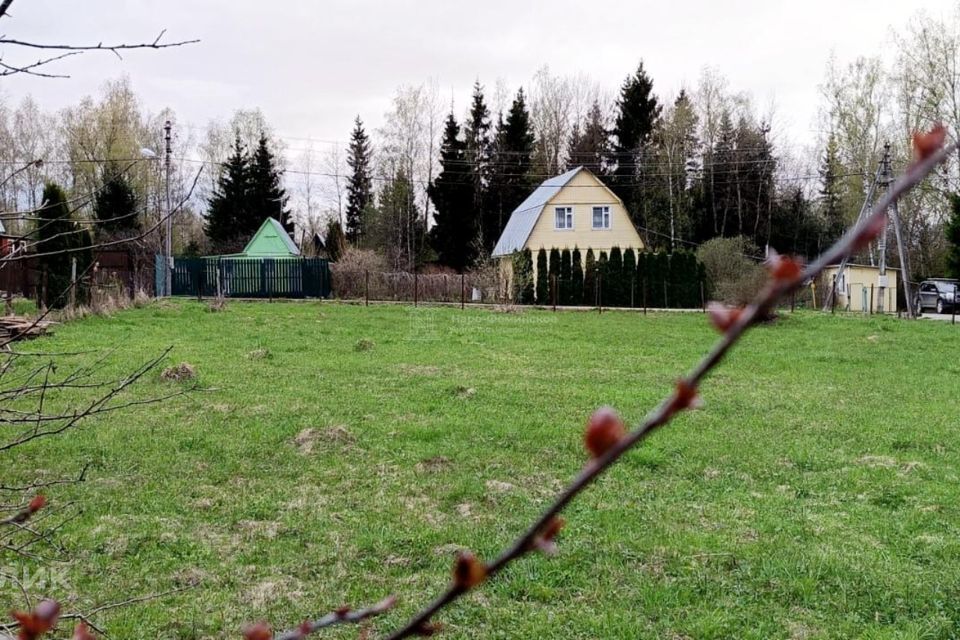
pixel 344 453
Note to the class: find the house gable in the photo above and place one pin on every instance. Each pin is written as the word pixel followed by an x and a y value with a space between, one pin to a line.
pixel 271 240
pixel 582 193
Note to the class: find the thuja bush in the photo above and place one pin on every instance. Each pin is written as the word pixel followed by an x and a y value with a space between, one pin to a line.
pixel 566 278
pixel 576 273
pixel 542 277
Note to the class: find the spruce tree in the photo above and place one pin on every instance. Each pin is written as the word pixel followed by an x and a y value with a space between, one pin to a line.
pixel 115 205
pixel 831 196
pixel 229 212
pixel 543 277
pixel 576 274
pixel 266 196
pixel 589 144
pixel 477 139
pixel 454 234
pixel 55 237
pixel 510 164
pixel 953 238
pixel 566 278
pixel 359 188
pixel 629 279
pixel 590 279
pixel 637 113
pixel 336 241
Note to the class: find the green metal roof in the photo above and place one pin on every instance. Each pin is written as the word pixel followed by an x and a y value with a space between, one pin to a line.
pixel 271 241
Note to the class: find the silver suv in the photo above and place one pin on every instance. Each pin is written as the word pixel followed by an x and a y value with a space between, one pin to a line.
pixel 937 294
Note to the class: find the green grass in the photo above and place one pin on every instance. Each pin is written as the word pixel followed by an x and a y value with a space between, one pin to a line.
pixel 815 495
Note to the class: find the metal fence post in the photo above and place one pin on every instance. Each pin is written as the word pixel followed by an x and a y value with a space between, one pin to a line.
pixel 953 307
pixel 366 287
pixel 703 298
pixel 833 297
pixel 599 292
pixel 870 309
pixel 553 290
pixel 463 291
pixel 416 288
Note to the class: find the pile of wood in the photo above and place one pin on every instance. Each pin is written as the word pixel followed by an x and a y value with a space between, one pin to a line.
pixel 21 328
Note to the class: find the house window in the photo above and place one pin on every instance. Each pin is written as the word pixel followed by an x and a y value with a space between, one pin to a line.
pixel 564 218
pixel 601 217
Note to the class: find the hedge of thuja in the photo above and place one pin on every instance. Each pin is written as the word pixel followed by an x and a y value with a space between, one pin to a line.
pixel 620 278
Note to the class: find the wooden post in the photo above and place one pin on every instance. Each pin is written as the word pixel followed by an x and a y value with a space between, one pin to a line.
pixel 366 287
pixel 833 296
pixel 870 309
pixel 553 290
pixel 73 282
pixel 703 298
pixel 219 280
pixel 463 291
pixel 416 288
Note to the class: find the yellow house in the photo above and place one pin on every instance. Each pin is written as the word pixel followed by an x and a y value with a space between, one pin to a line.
pixel 572 210
pixel 858 288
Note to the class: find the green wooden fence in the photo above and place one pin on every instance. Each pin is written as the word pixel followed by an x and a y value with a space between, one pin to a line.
pixel 251 277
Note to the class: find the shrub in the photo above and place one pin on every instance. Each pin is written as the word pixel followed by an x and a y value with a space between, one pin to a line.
pixel 542 290
pixel 566 278
pixel 552 293
pixel 576 274
pixel 613 279
pixel 590 279
pixel 523 277
pixel 630 294
pixel 732 277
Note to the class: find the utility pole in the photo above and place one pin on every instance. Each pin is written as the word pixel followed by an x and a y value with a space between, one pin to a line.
pixel 886 178
pixel 168 226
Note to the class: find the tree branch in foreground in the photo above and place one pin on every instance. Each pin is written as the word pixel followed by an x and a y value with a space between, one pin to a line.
pixel 606 438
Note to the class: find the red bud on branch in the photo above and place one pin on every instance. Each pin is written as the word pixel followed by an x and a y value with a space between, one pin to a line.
pixel 468 572
pixel 722 316
pixel 34 624
pixel 604 430
pixel 685 397
pixel 81 632
pixel 545 541
pixel 783 268
pixel 927 144
pixel 258 631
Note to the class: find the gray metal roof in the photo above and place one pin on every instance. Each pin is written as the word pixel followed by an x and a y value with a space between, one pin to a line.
pixel 525 216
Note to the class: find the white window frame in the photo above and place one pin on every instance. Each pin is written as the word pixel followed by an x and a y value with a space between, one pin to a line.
pixel 606 221
pixel 567 213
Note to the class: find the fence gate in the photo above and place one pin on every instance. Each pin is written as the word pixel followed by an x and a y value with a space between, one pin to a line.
pixel 251 277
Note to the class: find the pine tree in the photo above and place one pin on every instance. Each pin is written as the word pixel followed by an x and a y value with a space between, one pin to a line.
pixel 566 278
pixel 543 278
pixel 510 166
pixel 55 236
pixel 115 205
pixel 477 139
pixel 590 279
pixel 226 223
pixel 629 277
pixel 576 277
pixel 953 238
pixel 454 234
pixel 637 113
pixel 589 145
pixel 359 188
pixel 831 196
pixel 266 197
pixel 336 241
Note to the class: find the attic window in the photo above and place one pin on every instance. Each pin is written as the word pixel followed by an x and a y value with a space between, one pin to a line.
pixel 563 218
pixel 601 217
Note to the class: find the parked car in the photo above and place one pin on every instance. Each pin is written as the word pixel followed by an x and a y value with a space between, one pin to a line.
pixel 937 294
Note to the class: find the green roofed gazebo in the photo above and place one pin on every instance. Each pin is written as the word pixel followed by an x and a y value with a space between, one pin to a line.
pixel 270 241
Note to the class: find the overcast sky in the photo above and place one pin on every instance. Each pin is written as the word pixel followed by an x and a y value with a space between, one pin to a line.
pixel 311 66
